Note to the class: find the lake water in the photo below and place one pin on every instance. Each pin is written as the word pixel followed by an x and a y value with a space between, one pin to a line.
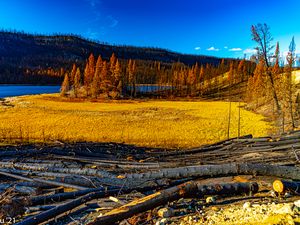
pixel 17 90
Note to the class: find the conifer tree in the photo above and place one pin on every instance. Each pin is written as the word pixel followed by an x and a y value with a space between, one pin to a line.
pixel 65 87
pixel 72 75
pixel 76 82
pixel 86 79
pixel 222 67
pixel 104 78
pixel 112 63
pixel 201 79
pixel 258 81
pixel 98 66
pixel 95 86
pixel 231 74
pixel 191 80
pixel 131 77
pixel 91 67
pixel 117 77
pixel 241 70
pixel 201 74
pixel 89 72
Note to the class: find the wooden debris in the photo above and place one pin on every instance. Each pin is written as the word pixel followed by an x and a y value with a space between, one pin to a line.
pixel 42 181
pixel 282 186
pixel 114 199
pixel 171 194
pixel 221 170
pixel 101 170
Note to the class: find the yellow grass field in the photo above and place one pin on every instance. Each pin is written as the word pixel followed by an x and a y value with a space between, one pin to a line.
pixel 174 124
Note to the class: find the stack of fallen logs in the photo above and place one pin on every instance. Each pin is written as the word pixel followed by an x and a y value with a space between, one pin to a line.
pixel 107 183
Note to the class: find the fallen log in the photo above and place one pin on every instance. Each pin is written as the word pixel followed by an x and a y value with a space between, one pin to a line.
pixel 213 147
pixel 19 189
pixel 171 194
pixel 14 153
pixel 281 186
pixel 55 169
pixel 120 164
pixel 287 172
pixel 35 173
pixel 275 143
pixel 90 194
pixel 57 210
pixel 42 181
pixel 39 200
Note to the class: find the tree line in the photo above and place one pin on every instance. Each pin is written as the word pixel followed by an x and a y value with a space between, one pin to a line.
pixel 117 78
pixel 27 58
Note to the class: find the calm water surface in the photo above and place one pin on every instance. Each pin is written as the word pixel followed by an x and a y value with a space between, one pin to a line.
pixel 17 90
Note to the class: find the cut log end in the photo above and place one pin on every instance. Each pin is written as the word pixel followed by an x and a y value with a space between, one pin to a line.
pixel 278 186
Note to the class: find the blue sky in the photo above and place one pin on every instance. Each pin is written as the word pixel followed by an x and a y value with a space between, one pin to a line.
pixel 212 27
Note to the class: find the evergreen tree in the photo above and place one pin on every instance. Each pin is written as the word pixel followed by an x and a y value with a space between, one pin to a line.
pixel 231 74
pixel 65 87
pixel 241 70
pixel 89 72
pixel 105 83
pixel 98 66
pixel 259 85
pixel 86 79
pixel 117 77
pixel 131 77
pixel 191 81
pixel 72 75
pixel 77 84
pixel 112 63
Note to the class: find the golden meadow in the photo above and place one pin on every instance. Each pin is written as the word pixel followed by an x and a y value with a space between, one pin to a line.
pixel 170 124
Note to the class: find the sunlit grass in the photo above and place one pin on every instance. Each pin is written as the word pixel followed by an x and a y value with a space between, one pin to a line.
pixel 147 123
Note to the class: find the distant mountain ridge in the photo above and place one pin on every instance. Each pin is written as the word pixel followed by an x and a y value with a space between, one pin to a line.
pixel 20 51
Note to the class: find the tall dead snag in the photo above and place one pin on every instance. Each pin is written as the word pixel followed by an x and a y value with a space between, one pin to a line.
pixel 287 172
pixel 262 36
pixel 291 60
pixel 160 198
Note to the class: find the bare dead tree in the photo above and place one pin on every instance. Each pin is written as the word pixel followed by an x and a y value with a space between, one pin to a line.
pixel 262 36
pixel 291 60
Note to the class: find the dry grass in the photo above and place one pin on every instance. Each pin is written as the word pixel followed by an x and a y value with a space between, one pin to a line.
pixel 148 123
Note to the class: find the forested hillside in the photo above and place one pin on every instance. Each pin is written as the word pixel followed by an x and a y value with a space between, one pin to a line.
pixel 40 59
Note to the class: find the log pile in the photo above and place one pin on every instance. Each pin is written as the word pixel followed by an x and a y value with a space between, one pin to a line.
pixel 106 183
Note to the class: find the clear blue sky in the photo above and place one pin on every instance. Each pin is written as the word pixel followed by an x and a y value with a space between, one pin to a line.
pixel 212 27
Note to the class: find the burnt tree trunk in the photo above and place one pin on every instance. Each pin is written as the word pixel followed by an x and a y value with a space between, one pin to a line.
pixel 221 170
pixel 171 194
